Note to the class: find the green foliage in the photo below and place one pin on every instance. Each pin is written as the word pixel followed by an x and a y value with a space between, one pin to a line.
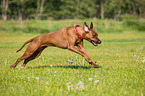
pixel 70 9
pixel 39 27
pixel 133 22
pixel 46 26
pixel 136 24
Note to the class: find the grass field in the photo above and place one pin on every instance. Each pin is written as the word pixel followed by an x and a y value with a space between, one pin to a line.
pixel 122 73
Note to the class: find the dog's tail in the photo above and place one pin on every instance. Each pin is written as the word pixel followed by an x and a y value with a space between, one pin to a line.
pixel 25 44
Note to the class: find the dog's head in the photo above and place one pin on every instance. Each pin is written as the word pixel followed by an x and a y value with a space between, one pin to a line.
pixel 91 35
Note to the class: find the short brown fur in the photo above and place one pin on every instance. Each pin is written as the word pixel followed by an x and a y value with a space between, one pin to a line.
pixel 66 38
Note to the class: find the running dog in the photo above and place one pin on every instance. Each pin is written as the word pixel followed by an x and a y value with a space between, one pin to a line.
pixel 66 38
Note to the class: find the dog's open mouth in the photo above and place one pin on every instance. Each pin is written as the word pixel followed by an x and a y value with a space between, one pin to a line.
pixel 94 43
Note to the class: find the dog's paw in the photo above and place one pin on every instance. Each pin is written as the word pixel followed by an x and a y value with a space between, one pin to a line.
pixel 96 66
pixel 12 66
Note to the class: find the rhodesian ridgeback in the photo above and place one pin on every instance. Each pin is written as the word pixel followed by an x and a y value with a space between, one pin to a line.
pixel 66 38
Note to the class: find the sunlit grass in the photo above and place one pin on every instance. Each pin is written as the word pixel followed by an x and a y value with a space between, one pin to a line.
pixel 120 57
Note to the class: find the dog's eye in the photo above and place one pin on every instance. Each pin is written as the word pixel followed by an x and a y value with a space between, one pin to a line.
pixel 94 36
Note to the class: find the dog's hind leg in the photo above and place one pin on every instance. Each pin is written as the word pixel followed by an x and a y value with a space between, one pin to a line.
pixel 34 55
pixel 18 60
pixel 29 51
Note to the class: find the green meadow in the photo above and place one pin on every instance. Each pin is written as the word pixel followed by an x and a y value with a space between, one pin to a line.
pixel 121 57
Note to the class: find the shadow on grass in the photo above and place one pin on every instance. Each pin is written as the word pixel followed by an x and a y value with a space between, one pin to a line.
pixel 63 66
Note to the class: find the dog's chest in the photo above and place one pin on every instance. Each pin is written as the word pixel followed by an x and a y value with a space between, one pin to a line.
pixel 78 41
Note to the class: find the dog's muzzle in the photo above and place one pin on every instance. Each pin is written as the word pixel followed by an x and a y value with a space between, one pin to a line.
pixel 96 43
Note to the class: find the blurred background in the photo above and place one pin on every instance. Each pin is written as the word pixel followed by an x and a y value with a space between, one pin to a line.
pixel 42 16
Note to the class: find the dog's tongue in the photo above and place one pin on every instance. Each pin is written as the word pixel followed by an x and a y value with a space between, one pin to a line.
pixel 94 43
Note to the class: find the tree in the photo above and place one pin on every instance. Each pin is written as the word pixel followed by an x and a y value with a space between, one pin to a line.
pixel 102 9
pixel 40 6
pixel 69 9
pixel 87 9
pixel 4 7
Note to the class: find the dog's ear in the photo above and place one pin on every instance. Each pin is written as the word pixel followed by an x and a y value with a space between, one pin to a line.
pixel 91 26
pixel 85 27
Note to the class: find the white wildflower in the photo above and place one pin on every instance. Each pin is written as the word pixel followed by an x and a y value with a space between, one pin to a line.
pixel 37 78
pixel 28 78
pixel 82 87
pixel 80 83
pixel 90 79
pixel 77 88
pixel 51 65
pixel 69 87
pixel 143 59
pixel 46 82
pixel 69 83
pixel 96 81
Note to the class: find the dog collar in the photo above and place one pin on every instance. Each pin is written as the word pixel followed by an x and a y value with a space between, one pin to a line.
pixel 78 32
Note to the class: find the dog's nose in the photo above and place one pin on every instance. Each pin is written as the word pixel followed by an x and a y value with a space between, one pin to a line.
pixel 99 42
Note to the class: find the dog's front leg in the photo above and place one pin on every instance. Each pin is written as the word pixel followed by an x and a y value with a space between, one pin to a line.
pixel 74 49
pixel 81 48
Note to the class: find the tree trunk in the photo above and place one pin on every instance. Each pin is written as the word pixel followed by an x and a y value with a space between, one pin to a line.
pixel 20 15
pixel 20 10
pixel 77 9
pixel 140 12
pixel 134 8
pixel 39 9
pixel 102 10
pixel 4 9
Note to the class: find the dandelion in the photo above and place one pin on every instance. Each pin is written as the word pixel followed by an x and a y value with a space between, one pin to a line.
pixel 90 79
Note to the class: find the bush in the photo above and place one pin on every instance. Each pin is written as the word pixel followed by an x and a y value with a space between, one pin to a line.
pixel 136 24
pixel 133 22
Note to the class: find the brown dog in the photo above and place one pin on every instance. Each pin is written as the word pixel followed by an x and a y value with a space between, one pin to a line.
pixel 66 38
